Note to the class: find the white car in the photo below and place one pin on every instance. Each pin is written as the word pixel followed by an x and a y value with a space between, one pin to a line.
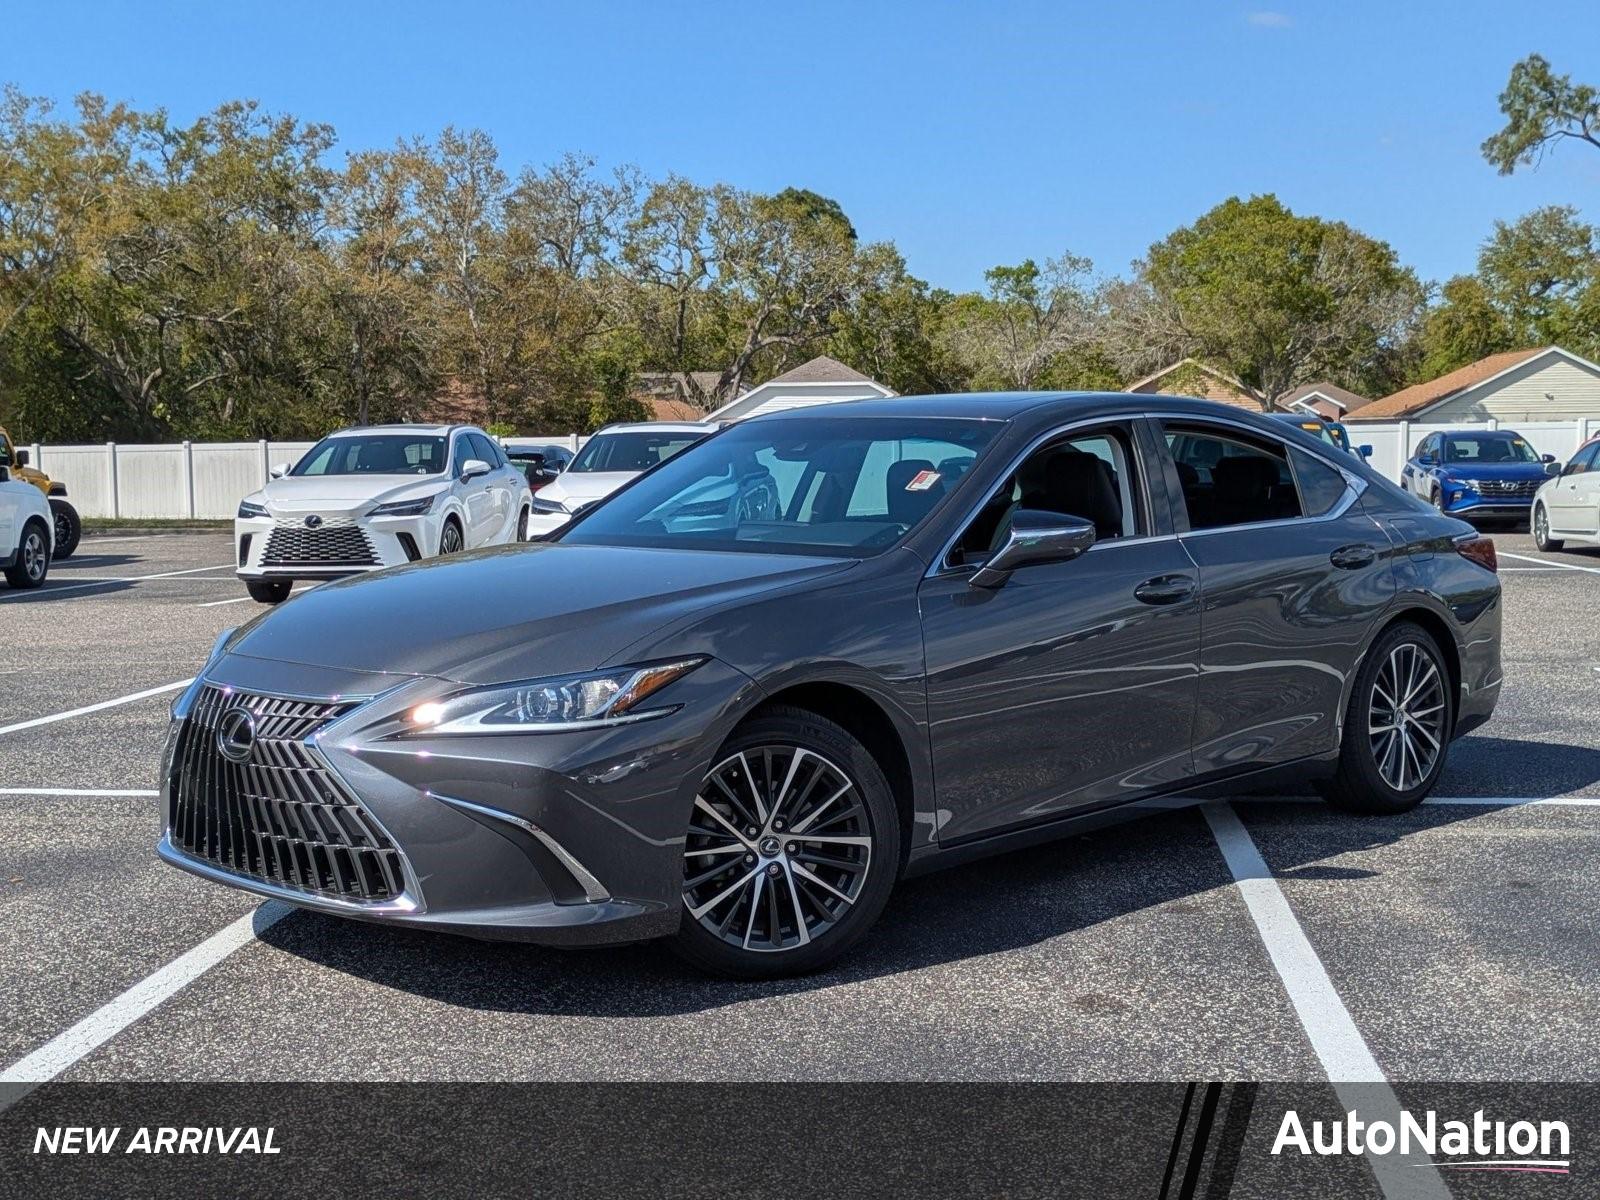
pixel 610 458
pixel 1567 507
pixel 377 497
pixel 27 532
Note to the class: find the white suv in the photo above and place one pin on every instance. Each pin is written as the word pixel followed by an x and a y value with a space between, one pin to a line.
pixel 377 497
pixel 610 458
pixel 27 532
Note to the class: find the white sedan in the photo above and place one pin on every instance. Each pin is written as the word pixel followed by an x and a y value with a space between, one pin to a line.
pixel 610 458
pixel 377 497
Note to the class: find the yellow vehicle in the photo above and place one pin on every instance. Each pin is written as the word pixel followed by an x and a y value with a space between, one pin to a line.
pixel 68 527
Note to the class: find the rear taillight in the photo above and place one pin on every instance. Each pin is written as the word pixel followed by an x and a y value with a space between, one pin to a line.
pixel 1480 550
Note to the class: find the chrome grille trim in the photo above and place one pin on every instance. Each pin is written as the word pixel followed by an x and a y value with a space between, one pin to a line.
pixel 282 817
pixel 335 544
pixel 1520 489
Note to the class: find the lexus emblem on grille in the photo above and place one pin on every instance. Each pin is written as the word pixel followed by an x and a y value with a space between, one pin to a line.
pixel 313 521
pixel 236 734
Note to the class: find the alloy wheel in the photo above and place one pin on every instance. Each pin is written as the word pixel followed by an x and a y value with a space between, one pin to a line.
pixel 1406 717
pixel 34 556
pixel 1541 528
pixel 63 527
pixel 450 539
pixel 779 847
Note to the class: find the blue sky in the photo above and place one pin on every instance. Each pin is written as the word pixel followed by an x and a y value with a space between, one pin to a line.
pixel 969 133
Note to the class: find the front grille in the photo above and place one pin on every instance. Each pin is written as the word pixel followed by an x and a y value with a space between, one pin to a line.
pixel 329 545
pixel 1511 489
pixel 281 816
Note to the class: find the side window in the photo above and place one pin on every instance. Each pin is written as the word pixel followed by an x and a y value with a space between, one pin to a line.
pixel 1321 487
pixel 1091 476
pixel 485 449
pixel 461 451
pixel 1229 481
pixel 1583 460
pixel 1429 446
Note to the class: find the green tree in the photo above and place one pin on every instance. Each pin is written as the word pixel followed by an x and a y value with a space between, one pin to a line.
pixel 1277 300
pixel 1464 326
pixel 1032 319
pixel 1541 109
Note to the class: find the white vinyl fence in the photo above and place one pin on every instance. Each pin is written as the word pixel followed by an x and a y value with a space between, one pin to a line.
pixel 189 479
pixel 208 479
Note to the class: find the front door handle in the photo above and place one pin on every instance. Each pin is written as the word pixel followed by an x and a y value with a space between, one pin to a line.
pixel 1165 589
pixel 1353 558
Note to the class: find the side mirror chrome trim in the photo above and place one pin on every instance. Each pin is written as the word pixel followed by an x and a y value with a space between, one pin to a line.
pixel 1035 537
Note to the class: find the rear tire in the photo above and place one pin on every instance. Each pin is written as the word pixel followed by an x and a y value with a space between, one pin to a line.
pixel 269 591
pixel 826 890
pixel 69 529
pixel 33 557
pixel 522 526
pixel 1396 727
pixel 1541 530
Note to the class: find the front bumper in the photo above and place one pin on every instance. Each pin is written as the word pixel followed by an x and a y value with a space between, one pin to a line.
pixel 540 523
pixel 284 548
pixel 566 839
pixel 1465 502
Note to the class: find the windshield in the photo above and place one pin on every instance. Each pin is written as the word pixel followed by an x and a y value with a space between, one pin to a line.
pixel 1488 448
pixel 813 485
pixel 374 454
pixel 635 451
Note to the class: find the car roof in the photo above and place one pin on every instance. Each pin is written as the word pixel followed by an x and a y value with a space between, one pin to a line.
pixel 1005 406
pixel 658 427
pixel 435 430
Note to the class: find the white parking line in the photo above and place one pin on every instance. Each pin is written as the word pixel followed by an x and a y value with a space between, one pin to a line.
pixel 100 1026
pixel 51 589
pixel 242 599
pixel 89 708
pixel 1550 562
pixel 77 792
pixel 1337 1042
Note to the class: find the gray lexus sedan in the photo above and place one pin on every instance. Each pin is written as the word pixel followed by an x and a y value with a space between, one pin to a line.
pixel 963 624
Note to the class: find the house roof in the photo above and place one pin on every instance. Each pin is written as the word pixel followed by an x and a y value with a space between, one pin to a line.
pixel 670 408
pixel 821 369
pixel 1419 396
pixel 1195 363
pixel 1347 400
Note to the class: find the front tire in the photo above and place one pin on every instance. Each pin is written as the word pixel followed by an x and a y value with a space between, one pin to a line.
pixel 269 591
pixel 32 564
pixel 522 526
pixel 450 540
pixel 792 850
pixel 1397 725
pixel 1541 530
pixel 69 529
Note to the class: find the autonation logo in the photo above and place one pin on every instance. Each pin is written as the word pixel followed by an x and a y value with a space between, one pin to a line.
pixel 1476 1145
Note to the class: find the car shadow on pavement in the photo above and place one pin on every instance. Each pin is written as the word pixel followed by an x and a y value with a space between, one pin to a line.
pixel 1161 863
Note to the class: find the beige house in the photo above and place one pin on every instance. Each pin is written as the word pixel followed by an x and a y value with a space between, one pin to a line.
pixel 823 380
pixel 1545 383
pixel 1191 377
pixel 1324 399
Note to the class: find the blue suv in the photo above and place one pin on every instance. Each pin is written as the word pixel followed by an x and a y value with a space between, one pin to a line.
pixel 1481 473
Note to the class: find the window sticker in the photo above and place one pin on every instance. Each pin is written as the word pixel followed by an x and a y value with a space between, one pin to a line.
pixel 922 481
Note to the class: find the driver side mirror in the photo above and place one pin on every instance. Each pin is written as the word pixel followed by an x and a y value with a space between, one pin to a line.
pixel 279 470
pixel 1365 450
pixel 1035 537
pixel 1427 460
pixel 474 467
pixel 22 458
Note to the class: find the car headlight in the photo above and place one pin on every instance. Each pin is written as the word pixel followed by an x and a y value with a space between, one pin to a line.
pixel 552 705
pixel 405 508
pixel 249 508
pixel 549 506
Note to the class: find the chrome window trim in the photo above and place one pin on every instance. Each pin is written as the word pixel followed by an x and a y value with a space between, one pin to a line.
pixel 941 566
pixel 1355 486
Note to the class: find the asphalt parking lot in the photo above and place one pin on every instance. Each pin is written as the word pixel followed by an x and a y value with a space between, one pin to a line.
pixel 1457 942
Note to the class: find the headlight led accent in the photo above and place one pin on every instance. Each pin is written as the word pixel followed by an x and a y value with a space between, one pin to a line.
pixel 249 508
pixel 405 508
pixel 552 705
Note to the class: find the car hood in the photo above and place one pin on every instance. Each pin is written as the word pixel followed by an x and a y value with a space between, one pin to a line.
pixel 1493 470
pixel 512 612
pixel 345 493
pixel 584 487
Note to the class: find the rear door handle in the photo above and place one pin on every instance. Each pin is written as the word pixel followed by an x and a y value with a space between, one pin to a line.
pixel 1165 589
pixel 1351 558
